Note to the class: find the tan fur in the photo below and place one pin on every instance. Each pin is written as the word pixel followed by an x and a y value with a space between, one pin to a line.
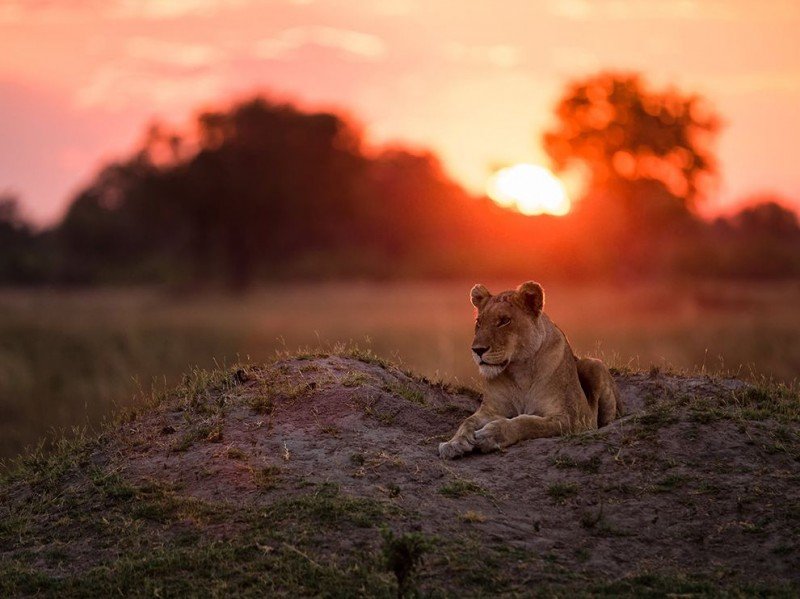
pixel 535 386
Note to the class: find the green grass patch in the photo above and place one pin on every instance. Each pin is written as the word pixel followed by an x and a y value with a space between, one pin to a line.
pixel 561 492
pixel 327 506
pixel 158 502
pixel 209 431
pixel 402 555
pixel 266 478
pixel 405 391
pixel 661 414
pixel 261 404
pixel 354 379
pixel 565 461
pixel 221 568
pixel 761 401
pixel 112 484
pixel 461 487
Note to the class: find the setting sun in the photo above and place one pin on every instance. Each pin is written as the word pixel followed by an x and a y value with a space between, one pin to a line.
pixel 529 189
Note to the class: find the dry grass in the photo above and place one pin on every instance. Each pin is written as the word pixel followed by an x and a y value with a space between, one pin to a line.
pixel 68 358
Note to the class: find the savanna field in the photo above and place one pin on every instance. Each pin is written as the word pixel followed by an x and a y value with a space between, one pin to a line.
pixel 71 358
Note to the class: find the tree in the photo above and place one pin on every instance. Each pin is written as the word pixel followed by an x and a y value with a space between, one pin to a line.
pixel 413 207
pixel 123 225
pixel 22 258
pixel 646 157
pixel 766 215
pixel 618 129
pixel 270 181
pixel 263 185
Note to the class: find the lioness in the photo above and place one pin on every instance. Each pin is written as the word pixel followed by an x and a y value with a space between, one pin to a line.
pixel 535 386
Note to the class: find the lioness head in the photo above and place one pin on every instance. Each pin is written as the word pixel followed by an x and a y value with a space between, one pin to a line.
pixel 506 326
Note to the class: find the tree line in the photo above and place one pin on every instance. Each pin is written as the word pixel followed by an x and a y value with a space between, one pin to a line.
pixel 264 191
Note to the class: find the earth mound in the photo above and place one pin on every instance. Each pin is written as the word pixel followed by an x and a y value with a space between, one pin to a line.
pixel 319 475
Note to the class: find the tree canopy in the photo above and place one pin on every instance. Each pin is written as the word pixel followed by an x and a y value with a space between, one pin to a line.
pixel 616 128
pixel 259 190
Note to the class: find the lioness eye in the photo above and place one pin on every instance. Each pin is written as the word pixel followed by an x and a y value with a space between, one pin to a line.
pixel 503 321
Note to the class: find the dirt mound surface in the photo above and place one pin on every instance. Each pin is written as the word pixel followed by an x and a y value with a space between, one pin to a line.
pixel 311 476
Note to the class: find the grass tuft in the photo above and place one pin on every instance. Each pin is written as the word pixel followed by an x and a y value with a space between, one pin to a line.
pixel 461 487
pixel 402 555
pixel 561 492
pixel 405 391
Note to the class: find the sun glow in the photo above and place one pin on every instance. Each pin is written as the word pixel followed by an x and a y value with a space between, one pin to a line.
pixel 529 189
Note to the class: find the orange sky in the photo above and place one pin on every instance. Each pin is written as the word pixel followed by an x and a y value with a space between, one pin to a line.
pixel 475 80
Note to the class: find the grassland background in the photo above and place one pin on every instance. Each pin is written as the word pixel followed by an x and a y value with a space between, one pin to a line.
pixel 70 358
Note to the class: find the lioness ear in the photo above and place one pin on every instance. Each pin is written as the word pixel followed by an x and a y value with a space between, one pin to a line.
pixel 531 296
pixel 479 296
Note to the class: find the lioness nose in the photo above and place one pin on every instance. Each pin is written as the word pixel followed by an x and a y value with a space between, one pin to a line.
pixel 479 351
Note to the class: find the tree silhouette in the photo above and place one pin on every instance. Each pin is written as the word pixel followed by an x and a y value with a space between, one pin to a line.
pixel 123 225
pixel 616 128
pixel 21 258
pixel 263 190
pixel 646 156
pixel 414 207
pixel 766 215
pixel 271 181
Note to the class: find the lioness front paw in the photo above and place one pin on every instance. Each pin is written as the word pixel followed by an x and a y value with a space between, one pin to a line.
pixel 491 437
pixel 454 448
